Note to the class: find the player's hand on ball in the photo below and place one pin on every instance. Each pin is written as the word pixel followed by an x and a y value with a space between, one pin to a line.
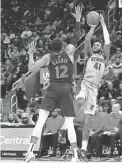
pixel 102 21
pixel 32 48
pixel 78 13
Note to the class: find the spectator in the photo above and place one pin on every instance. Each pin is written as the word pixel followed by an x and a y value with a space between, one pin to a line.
pixel 34 37
pixel 103 91
pixel 97 129
pixel 20 93
pixel 38 21
pixel 112 125
pixel 14 55
pixel 53 124
pixel 109 75
pixel 18 114
pixel 3 88
pixel 117 55
pixel 27 32
pixel 113 101
pixel 106 107
pixel 116 82
pixel 119 92
pixel 111 90
pixel 117 67
pixel 12 118
pixel 25 119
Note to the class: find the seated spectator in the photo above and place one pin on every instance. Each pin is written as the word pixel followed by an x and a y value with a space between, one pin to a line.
pixel 117 67
pixel 6 39
pixel 116 82
pixel 112 125
pixel 38 21
pixel 117 41
pixel 53 124
pixel 11 35
pixel 111 91
pixel 35 101
pixel 12 118
pixel 25 119
pixel 18 114
pixel 14 55
pixel 25 41
pixel 103 91
pixel 119 92
pixel 35 36
pixel 118 55
pixel 97 129
pixel 8 68
pixel 109 75
pixel 112 102
pixel 106 107
pixel 20 93
pixel 26 32
pixel 3 88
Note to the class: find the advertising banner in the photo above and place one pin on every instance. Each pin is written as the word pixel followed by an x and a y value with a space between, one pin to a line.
pixel 14 141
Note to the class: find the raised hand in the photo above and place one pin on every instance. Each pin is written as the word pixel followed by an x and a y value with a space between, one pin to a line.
pixel 102 21
pixel 32 48
pixel 78 13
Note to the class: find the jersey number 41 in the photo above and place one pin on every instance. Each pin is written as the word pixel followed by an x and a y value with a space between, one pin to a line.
pixel 97 66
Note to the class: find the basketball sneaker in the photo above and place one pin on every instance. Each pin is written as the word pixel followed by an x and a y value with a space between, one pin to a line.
pixel 83 155
pixel 29 157
pixel 75 158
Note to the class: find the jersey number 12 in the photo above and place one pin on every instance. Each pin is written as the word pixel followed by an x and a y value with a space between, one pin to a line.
pixel 63 74
pixel 97 66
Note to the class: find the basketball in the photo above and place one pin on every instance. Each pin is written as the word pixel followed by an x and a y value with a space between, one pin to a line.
pixel 93 18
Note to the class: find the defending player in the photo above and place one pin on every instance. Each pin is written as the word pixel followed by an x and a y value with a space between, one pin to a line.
pixel 60 65
pixel 96 57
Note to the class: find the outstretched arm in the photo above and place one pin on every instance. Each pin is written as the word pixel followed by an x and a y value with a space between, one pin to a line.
pixel 77 32
pixel 87 43
pixel 106 48
pixel 33 66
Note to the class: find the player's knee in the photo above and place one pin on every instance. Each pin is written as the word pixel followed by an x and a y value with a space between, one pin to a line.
pixel 78 102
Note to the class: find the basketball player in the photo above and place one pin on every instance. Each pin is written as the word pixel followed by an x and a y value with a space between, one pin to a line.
pixel 96 56
pixel 60 65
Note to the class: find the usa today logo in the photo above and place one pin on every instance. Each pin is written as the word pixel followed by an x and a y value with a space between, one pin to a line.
pixel 17 140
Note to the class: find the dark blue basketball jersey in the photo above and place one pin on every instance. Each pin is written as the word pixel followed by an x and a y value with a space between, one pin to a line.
pixel 60 68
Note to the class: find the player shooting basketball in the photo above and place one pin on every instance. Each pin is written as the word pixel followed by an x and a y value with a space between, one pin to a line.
pixel 96 57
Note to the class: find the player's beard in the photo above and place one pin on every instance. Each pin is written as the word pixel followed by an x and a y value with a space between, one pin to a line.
pixel 97 51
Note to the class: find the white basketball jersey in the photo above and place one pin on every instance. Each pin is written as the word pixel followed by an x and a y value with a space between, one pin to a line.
pixel 95 68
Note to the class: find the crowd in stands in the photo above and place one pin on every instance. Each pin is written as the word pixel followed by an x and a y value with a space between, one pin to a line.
pixel 27 21
pixel 40 21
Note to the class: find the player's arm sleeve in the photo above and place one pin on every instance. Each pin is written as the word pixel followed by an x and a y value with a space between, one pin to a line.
pixel 106 48
pixel 34 66
pixel 87 43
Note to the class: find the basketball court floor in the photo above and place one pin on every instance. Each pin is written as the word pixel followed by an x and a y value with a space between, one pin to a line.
pixel 21 161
